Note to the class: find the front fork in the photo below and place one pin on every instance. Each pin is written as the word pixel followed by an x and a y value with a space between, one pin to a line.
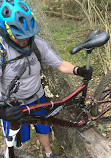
pixel 10 141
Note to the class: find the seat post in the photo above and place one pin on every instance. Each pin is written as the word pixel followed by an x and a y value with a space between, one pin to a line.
pixel 88 58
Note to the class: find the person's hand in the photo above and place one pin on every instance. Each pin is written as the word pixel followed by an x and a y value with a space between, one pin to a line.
pixel 83 72
pixel 11 114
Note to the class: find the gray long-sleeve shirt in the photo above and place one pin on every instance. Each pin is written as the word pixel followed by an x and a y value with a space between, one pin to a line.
pixel 29 84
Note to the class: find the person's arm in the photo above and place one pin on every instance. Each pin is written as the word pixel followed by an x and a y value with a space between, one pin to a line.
pixel 67 67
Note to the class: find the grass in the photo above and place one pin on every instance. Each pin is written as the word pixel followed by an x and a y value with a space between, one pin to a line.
pixel 64 33
pixel 67 34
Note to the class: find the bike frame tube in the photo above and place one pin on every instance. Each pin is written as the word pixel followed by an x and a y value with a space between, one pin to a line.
pixel 48 121
pixel 37 107
pixel 100 114
pixel 101 101
pixel 57 103
pixel 104 111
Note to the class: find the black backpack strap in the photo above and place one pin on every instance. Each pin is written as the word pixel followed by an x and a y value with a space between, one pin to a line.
pixel 14 59
pixel 6 61
pixel 2 54
pixel 37 53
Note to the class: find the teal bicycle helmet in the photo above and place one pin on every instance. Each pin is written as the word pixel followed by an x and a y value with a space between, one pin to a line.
pixel 18 21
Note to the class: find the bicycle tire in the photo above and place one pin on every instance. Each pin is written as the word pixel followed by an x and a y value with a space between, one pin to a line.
pixel 101 94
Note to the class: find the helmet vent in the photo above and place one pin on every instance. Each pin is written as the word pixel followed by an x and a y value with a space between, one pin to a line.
pixel 21 19
pixel 17 35
pixel 14 27
pixel 10 1
pixel 24 7
pixel 32 22
pixel 23 22
pixel 6 12
pixel 1 1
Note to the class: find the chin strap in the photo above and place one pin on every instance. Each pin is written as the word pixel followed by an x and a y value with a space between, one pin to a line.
pixel 21 50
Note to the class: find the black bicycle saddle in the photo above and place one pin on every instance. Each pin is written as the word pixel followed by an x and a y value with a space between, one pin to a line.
pixel 95 39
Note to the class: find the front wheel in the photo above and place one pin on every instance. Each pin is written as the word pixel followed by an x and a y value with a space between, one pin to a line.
pixel 103 92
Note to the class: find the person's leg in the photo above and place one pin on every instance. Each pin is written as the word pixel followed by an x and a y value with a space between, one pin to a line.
pixel 44 137
pixel 45 141
pixel 44 130
pixel 25 133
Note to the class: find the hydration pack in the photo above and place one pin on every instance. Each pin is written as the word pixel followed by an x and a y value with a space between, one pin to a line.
pixel 4 59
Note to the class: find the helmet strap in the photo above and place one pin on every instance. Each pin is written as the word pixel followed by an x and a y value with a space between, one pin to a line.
pixel 17 47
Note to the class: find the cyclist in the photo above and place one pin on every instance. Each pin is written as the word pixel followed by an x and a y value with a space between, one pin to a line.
pixel 18 29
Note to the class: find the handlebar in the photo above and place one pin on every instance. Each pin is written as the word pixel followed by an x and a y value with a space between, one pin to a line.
pixel 95 39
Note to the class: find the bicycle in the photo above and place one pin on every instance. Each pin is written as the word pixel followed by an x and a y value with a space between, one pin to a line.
pixel 87 112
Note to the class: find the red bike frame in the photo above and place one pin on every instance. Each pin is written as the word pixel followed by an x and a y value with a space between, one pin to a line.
pixel 65 101
pixel 40 106
pixel 50 104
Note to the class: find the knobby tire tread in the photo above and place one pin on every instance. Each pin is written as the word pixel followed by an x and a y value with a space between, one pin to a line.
pixel 103 83
pixel 105 80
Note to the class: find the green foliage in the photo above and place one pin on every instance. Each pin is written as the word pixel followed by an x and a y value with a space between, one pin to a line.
pixel 106 1
pixel 70 7
pixel 67 34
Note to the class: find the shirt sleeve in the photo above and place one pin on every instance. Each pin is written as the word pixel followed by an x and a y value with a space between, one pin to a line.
pixel 48 56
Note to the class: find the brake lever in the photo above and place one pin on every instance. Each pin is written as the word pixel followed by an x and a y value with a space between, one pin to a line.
pixel 16 88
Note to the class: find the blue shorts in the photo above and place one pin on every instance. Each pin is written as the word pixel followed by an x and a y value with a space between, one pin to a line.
pixel 25 129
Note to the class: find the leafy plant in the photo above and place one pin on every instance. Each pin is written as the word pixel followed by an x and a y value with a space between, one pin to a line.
pixel 99 18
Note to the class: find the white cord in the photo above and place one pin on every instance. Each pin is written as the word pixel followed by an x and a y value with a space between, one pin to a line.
pixel 52 104
pixel 28 109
